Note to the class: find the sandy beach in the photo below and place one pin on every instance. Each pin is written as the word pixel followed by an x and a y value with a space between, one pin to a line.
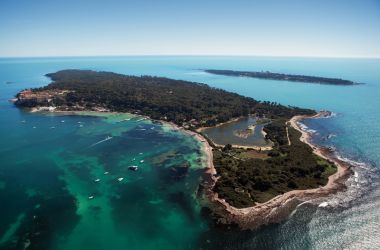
pixel 259 148
pixel 280 207
pixel 272 211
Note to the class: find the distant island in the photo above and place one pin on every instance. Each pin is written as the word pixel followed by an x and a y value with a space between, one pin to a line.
pixel 282 77
pixel 238 178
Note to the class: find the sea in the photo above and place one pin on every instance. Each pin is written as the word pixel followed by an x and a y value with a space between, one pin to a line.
pixel 65 181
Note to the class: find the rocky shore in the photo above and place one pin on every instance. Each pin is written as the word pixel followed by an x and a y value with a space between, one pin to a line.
pixel 272 211
pixel 281 206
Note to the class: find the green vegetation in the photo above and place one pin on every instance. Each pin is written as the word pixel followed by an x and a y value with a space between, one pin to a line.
pixel 246 176
pixel 157 97
pixel 276 132
pixel 282 77
pixel 246 180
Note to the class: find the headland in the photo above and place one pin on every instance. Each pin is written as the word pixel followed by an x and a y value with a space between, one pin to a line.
pixel 250 186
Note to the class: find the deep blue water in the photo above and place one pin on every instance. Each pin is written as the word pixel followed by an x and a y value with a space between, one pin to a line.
pixel 354 222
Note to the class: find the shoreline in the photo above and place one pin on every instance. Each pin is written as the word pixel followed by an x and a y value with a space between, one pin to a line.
pixel 282 77
pixel 258 148
pixel 254 147
pixel 280 207
pixel 206 147
pixel 271 211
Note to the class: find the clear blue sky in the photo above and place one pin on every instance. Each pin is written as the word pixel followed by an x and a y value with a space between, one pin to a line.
pixel 333 28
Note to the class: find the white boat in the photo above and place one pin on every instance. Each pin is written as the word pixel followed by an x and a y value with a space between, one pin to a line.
pixel 142 161
pixel 133 168
pixel 91 197
pixel 120 179
pixel 97 180
pixel 106 173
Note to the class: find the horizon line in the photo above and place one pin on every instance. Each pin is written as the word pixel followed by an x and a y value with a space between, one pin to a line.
pixel 192 55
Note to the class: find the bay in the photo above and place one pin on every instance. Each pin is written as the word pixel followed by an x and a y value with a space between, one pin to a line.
pixel 49 168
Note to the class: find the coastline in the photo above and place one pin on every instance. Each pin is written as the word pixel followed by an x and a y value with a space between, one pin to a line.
pixel 282 77
pixel 281 206
pixel 206 147
pixel 272 211
pixel 259 148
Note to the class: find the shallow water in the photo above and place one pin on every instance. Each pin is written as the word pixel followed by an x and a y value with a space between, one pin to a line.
pixel 66 175
pixel 228 133
pixel 48 167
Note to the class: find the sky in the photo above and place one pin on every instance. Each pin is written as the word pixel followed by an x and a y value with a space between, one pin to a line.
pixel 321 28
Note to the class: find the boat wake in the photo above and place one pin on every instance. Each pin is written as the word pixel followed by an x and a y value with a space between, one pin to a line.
pixel 106 139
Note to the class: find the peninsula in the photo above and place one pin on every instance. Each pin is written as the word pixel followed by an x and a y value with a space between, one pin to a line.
pixel 282 77
pixel 237 178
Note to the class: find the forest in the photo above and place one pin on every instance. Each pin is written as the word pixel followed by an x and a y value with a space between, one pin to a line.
pixel 245 180
pixel 246 176
pixel 157 97
pixel 282 77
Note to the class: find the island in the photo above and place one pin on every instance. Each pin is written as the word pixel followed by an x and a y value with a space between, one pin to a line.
pixel 245 185
pixel 282 77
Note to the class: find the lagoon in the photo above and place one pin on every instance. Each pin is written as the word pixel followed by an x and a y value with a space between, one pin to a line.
pixel 50 172
pixel 242 132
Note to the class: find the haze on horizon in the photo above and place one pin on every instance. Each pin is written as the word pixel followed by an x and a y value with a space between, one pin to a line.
pixel 322 28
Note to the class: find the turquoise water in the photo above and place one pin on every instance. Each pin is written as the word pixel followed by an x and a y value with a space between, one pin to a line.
pixel 48 174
